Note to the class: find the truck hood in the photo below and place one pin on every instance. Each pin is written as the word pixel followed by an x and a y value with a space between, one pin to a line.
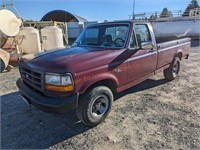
pixel 54 55
pixel 66 60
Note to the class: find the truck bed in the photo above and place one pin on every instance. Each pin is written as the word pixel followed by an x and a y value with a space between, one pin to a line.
pixel 171 43
pixel 167 50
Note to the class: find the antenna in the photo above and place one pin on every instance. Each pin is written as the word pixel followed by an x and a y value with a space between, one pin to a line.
pixel 133 9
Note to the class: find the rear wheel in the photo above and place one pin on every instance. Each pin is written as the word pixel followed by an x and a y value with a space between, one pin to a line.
pixel 95 105
pixel 2 65
pixel 172 72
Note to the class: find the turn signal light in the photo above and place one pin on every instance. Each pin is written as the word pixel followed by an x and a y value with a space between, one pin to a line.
pixel 60 88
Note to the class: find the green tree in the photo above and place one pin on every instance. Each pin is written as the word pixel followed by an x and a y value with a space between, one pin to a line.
pixel 194 4
pixel 30 20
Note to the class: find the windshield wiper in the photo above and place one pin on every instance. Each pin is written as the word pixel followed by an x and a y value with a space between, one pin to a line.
pixel 75 44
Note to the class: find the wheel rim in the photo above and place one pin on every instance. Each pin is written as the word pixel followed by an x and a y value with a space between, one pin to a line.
pixel 99 106
pixel 175 68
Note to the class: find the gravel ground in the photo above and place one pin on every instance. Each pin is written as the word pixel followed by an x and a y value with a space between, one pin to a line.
pixel 152 115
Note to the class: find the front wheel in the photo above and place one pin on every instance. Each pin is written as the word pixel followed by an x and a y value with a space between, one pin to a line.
pixel 172 72
pixel 95 105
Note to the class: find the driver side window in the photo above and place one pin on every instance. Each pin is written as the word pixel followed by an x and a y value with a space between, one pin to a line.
pixel 141 34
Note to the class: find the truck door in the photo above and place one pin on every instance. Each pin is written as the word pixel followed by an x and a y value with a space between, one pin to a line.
pixel 142 62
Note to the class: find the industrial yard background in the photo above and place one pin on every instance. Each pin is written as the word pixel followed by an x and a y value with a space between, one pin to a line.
pixel 155 114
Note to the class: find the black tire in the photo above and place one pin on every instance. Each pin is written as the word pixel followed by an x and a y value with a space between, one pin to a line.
pixel 172 72
pixel 95 105
pixel 2 65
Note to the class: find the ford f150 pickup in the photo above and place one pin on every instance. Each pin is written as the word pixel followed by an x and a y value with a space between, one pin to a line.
pixel 105 59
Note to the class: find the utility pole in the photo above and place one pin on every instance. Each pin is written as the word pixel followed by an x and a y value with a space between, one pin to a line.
pixel 133 10
pixel 3 3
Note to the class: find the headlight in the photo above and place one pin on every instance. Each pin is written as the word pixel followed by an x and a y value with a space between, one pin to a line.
pixel 61 83
pixel 53 80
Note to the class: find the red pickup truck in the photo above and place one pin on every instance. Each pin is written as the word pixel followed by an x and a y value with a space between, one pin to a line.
pixel 105 59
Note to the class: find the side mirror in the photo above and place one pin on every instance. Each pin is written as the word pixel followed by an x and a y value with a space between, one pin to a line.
pixel 147 46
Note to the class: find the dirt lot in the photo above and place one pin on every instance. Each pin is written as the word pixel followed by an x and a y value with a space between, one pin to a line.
pixel 152 115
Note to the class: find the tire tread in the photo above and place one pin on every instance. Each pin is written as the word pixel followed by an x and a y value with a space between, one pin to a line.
pixel 83 103
pixel 168 74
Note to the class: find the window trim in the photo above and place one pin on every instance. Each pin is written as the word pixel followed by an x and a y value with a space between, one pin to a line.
pixel 129 46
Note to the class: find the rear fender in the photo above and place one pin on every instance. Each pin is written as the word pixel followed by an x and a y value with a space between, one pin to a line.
pixel 179 54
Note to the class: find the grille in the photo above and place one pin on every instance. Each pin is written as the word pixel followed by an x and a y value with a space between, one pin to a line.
pixel 32 78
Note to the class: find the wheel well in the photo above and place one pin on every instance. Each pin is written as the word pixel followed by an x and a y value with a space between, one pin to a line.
pixel 108 83
pixel 179 55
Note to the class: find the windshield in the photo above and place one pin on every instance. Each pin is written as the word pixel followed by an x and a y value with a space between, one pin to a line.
pixel 109 36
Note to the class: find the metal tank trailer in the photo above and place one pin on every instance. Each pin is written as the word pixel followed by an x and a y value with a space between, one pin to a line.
pixel 182 27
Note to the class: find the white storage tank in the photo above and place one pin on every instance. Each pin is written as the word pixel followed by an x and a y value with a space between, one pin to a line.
pixel 52 38
pixel 9 23
pixel 29 40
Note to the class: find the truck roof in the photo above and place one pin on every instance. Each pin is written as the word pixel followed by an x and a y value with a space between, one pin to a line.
pixel 118 22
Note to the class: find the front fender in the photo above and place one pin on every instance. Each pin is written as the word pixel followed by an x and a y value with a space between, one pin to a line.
pixel 97 78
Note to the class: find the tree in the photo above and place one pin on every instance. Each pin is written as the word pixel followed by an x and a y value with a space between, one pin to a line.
pixel 30 20
pixel 153 16
pixel 165 13
pixel 194 4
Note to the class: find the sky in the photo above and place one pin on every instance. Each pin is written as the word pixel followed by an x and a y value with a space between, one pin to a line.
pixel 94 10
